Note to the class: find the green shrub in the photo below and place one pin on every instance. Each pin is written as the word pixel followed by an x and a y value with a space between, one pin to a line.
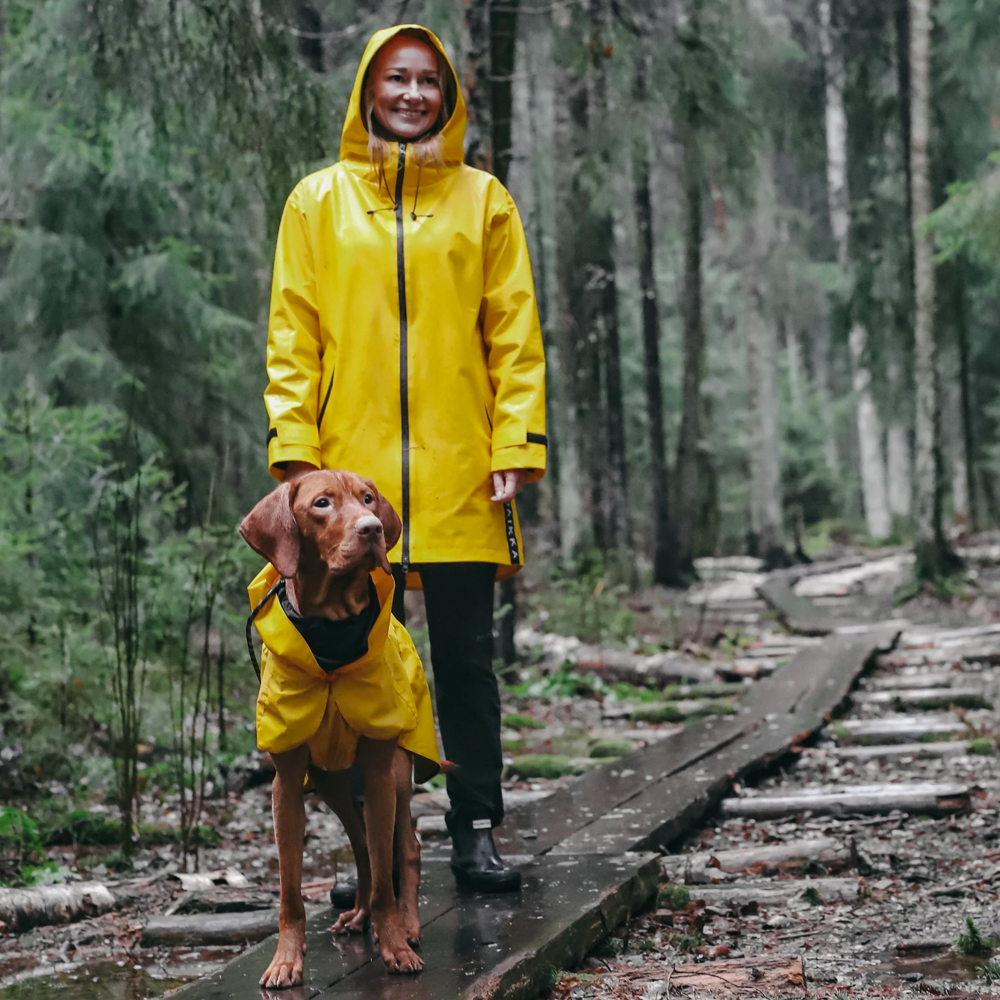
pixel 972 942
pixel 86 829
pixel 981 745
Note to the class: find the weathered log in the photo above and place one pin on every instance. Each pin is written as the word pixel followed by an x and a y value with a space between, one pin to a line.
pixel 210 928
pixel 898 729
pixel 928 679
pixel 763 975
pixel 928 698
pixel 614 664
pixel 224 899
pixel 896 750
pixel 928 798
pixel 741 858
pixel 828 890
pixel 21 909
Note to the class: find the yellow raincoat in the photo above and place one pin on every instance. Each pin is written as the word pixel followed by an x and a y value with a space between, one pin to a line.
pixel 404 341
pixel 382 695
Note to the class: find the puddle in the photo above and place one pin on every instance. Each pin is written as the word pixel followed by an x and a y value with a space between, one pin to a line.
pixel 111 981
pixel 950 965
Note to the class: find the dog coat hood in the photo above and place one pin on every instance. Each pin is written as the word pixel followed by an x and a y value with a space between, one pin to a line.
pixel 382 695
pixel 404 341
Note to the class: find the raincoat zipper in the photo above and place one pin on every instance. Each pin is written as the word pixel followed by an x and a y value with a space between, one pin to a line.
pixel 404 394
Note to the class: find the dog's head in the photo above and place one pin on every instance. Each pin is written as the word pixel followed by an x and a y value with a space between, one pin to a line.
pixel 333 518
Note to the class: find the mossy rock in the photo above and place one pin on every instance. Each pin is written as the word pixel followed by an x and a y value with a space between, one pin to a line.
pixel 522 722
pixel 982 745
pixel 664 712
pixel 513 745
pixel 542 765
pixel 611 748
pixel 673 897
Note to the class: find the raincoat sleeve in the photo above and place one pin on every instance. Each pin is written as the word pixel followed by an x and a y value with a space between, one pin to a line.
pixel 513 337
pixel 293 346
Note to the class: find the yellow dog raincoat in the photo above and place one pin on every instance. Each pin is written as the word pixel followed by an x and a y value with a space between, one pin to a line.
pixel 382 695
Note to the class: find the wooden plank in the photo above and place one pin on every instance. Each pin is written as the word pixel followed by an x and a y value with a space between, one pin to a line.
pixel 798 614
pixel 763 976
pixel 764 892
pixel 898 728
pixel 927 698
pixel 926 679
pixel 925 798
pixel 896 750
pixel 776 714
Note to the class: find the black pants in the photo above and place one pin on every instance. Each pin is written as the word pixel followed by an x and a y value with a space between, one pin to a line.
pixel 459 602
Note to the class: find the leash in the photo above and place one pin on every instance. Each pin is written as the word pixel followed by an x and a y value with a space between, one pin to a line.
pixel 253 614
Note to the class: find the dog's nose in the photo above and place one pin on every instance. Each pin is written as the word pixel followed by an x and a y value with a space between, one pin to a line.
pixel 369 527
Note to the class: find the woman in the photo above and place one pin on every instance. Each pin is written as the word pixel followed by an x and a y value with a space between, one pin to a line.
pixel 404 345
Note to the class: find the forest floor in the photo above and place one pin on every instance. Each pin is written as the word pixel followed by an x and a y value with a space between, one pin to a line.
pixel 567 709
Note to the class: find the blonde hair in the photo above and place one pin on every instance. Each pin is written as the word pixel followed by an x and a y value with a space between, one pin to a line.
pixel 427 151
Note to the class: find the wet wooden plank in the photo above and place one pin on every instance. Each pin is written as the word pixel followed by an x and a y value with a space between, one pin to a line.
pixel 798 614
pixel 775 714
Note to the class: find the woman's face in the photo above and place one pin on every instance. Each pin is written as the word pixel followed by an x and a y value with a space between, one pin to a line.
pixel 406 87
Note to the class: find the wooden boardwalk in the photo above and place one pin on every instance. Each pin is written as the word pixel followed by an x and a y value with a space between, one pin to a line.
pixel 583 851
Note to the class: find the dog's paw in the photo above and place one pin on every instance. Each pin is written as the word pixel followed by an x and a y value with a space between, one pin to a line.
pixel 286 967
pixel 398 956
pixel 354 921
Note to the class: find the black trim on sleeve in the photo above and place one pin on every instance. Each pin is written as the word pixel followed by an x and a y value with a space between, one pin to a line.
pixel 537 439
pixel 272 433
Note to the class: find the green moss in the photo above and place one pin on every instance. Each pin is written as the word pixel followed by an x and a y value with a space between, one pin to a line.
pixel 840 732
pixel 514 745
pixel 611 748
pixel 673 897
pixel 522 722
pixel 675 691
pixel 811 895
pixel 664 712
pixel 981 745
pixel 542 765
pixel 937 738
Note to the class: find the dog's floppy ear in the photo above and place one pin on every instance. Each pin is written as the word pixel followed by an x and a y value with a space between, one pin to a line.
pixel 391 524
pixel 271 530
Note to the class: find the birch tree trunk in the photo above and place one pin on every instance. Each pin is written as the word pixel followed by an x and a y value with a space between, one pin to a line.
pixel 934 559
pixel 873 488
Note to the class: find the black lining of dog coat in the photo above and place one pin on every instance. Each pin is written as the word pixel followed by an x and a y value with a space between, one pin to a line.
pixel 334 643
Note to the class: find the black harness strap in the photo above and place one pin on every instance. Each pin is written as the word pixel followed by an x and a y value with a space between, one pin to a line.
pixel 253 614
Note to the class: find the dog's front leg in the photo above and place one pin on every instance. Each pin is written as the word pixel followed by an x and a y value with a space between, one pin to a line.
pixel 376 757
pixel 288 810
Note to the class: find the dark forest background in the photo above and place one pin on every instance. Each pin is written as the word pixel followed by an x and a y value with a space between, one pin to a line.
pixel 766 242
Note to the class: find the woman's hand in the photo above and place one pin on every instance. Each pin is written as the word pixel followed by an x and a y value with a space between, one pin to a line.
pixel 507 484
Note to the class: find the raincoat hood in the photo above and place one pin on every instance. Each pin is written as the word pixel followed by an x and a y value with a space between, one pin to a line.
pixel 354 138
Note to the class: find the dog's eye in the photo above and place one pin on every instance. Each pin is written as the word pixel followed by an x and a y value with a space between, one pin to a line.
pixel 369 498
pixel 321 502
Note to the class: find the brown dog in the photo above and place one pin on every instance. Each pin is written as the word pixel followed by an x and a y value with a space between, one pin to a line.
pixel 325 533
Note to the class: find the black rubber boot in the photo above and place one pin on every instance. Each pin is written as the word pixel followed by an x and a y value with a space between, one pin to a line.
pixel 345 890
pixel 475 861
